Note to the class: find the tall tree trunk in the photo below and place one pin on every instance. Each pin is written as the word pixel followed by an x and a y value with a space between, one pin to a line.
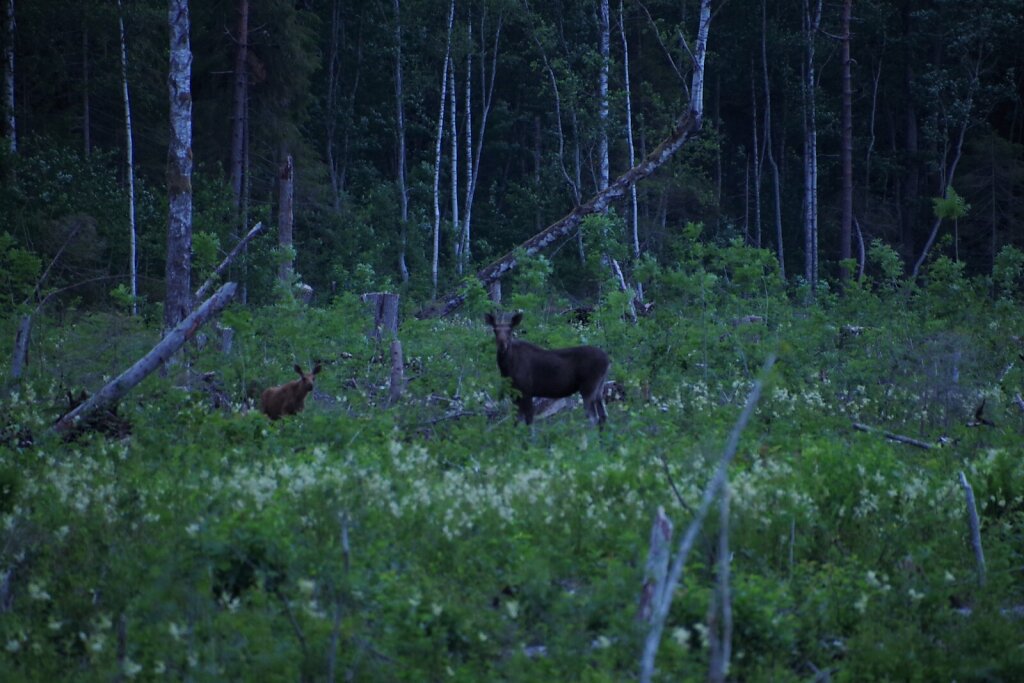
pixel 178 302
pixel 604 22
pixel 453 113
pixel 129 166
pixel 10 127
pixel 758 164
pixel 437 150
pixel 846 146
pixel 908 204
pixel 403 192
pixel 241 95
pixel 487 97
pixel 812 19
pixel 333 58
pixel 286 216
pixel 776 182
pixel 86 106
pixel 633 219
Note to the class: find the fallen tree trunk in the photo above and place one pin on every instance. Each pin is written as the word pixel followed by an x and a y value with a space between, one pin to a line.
pixel 686 127
pixel 165 348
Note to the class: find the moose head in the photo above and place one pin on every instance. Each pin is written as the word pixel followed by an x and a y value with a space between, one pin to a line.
pixel 549 373
pixel 289 398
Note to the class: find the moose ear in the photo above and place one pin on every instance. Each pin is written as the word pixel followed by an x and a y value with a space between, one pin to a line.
pixel 316 368
pixel 298 369
pixel 516 319
pixel 489 319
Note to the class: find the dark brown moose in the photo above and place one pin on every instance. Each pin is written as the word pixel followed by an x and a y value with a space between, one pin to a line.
pixel 288 398
pixel 550 373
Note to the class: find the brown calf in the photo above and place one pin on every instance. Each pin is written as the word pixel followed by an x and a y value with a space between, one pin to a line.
pixel 288 398
pixel 550 373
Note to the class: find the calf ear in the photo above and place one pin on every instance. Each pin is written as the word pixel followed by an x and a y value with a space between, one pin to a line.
pixel 298 369
pixel 316 368
pixel 516 319
pixel 489 319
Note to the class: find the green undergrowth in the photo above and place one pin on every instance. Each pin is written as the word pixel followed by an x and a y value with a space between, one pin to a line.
pixel 436 539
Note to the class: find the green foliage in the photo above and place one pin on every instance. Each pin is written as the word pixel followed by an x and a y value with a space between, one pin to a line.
pixel 437 539
pixel 950 207
pixel 19 271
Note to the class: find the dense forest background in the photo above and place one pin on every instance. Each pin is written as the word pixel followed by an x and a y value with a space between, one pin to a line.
pixel 935 103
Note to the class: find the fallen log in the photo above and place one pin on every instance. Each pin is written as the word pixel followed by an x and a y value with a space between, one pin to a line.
pixel 161 353
pixel 899 438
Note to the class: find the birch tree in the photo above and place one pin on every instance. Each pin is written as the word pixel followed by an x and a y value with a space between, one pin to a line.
pixel 437 149
pixel 604 23
pixel 633 218
pixel 178 301
pixel 129 166
pixel 811 22
pixel 769 154
pixel 473 156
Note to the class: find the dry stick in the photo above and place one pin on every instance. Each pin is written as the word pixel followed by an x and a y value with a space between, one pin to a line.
pixel 722 638
pixel 332 655
pixel 972 520
pixel 686 543
pixel 160 354
pixel 1019 401
pixel 656 568
pixel 201 292
pixel 892 437
pixel 622 285
pixel 672 484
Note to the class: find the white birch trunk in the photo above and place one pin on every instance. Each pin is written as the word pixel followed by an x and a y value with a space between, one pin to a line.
pixel 453 113
pixel 604 20
pixel 633 217
pixel 473 162
pixel 776 189
pixel 9 120
pixel 460 241
pixel 178 302
pixel 129 168
pixel 437 151
pixel 812 18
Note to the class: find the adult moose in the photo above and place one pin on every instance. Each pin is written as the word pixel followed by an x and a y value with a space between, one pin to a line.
pixel 288 398
pixel 550 373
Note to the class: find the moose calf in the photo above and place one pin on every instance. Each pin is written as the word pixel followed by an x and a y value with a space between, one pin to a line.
pixel 288 398
pixel 550 373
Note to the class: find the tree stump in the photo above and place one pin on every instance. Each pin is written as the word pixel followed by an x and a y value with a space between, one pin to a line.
pixel 21 341
pixel 384 307
pixel 494 290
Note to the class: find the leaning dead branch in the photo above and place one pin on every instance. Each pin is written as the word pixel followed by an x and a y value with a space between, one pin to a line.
pixel 893 437
pixel 661 608
pixel 206 286
pixel 161 353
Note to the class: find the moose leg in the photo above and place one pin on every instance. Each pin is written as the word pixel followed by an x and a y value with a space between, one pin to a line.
pixel 526 409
